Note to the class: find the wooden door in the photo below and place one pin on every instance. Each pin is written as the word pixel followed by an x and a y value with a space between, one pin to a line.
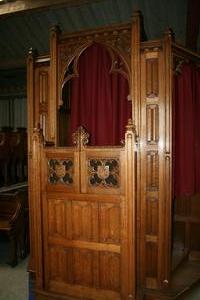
pixel 88 220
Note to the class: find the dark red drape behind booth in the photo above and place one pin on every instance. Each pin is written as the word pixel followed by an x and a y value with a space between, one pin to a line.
pixel 186 131
pixel 197 130
pixel 99 98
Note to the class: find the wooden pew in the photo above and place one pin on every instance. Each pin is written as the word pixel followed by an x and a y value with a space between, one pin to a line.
pixel 14 223
pixel 5 155
pixel 13 156
pixel 18 145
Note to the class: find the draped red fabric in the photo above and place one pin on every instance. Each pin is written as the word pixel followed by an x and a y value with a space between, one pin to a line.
pixel 99 98
pixel 186 138
pixel 197 129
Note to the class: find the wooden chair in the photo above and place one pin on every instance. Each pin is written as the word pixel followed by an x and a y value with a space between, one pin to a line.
pixel 13 223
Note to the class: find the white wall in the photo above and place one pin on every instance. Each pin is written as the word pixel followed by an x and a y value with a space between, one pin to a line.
pixel 13 112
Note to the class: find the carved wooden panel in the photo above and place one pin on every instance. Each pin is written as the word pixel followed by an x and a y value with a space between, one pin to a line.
pixel 152 216
pixel 60 264
pixel 152 127
pixel 154 177
pixel 41 96
pixel 85 221
pixel 109 274
pixel 151 259
pixel 60 171
pixel 82 268
pixel 110 224
pixel 104 173
pixel 84 231
pixel 152 170
pixel 43 91
pixel 152 86
pixel 85 268
pixel 59 218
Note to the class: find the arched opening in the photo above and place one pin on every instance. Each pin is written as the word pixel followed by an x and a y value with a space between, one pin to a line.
pixel 95 95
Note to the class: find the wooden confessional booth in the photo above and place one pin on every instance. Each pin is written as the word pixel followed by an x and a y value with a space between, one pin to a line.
pixel 101 216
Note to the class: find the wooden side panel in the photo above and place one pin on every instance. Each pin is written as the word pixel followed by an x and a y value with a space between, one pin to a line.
pixel 53 107
pixel 30 107
pixel 38 97
pixel 41 87
pixel 154 139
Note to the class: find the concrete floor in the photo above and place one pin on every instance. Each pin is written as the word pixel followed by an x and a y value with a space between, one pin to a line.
pixel 13 281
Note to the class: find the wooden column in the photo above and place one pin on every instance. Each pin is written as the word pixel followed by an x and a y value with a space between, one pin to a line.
pixel 136 115
pixel 168 71
pixel 135 69
pixel 30 107
pixel 52 107
pixel 31 95
pixel 41 89
pixel 155 150
pixel 130 211
pixel 37 142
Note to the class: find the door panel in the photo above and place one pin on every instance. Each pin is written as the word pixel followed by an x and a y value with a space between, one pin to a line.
pixel 85 222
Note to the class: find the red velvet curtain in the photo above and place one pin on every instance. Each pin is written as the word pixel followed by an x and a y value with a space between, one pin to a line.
pixel 197 129
pixel 186 131
pixel 99 98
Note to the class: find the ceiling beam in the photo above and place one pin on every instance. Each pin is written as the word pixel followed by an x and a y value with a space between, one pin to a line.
pixel 8 7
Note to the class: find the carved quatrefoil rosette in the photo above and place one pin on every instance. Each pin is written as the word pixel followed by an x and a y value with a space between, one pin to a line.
pixel 60 171
pixel 104 172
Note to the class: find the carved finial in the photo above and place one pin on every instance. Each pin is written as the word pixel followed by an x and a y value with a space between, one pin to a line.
pixel 130 126
pixel 81 137
pixel 136 13
pixel 37 134
pixel 55 29
pixel 169 34
pixel 30 51
pixel 130 134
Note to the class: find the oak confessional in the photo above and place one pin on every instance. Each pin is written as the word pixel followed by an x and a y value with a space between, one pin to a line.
pixel 100 216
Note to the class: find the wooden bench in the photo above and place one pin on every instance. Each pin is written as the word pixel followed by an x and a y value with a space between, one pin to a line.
pixel 14 223
pixel 13 156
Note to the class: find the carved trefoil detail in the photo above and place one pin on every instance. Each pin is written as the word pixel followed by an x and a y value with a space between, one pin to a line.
pixel 60 171
pixel 104 172
pixel 116 39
